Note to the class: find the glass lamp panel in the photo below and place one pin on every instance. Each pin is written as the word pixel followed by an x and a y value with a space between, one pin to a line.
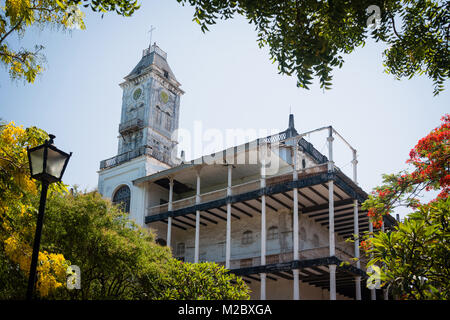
pixel 37 161
pixel 55 163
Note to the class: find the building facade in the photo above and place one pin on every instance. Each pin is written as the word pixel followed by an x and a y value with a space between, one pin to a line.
pixel 274 211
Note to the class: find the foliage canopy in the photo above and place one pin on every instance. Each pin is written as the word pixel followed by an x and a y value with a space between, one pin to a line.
pixel 309 38
pixel 18 16
pixel 414 256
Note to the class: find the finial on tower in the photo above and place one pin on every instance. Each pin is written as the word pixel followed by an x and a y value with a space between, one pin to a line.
pixel 151 35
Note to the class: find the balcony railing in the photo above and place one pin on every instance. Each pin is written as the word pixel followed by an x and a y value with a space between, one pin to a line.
pixel 235 190
pixel 156 49
pixel 307 254
pixel 131 125
pixel 126 156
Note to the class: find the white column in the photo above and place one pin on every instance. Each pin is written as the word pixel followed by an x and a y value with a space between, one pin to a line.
pixel 373 292
pixel 332 267
pixel 355 171
pixel 331 217
pixel 263 285
pixel 228 237
pixel 146 193
pixel 358 287
pixel 197 222
pixel 296 225
pixel 263 231
pixel 169 223
pixel 356 229
pixel 330 149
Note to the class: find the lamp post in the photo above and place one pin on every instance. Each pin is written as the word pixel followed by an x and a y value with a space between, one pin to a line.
pixel 47 164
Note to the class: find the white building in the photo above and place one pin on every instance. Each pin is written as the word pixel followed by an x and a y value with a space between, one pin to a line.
pixel 277 218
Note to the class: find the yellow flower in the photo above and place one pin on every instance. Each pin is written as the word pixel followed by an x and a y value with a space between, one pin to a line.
pixel 50 270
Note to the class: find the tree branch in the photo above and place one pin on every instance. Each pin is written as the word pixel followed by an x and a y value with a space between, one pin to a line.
pixel 393 28
pixel 12 29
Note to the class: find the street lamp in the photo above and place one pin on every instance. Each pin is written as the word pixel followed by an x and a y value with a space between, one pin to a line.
pixel 47 164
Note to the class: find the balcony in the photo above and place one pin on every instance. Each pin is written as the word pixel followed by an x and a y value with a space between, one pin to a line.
pixel 306 254
pixel 235 190
pixel 127 156
pixel 131 126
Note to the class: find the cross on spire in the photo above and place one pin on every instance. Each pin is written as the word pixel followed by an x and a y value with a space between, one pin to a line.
pixel 151 34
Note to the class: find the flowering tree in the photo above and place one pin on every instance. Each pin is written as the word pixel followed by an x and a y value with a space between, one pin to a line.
pixel 18 203
pixel 414 256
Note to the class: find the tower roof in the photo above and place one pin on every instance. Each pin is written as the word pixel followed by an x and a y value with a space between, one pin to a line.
pixel 152 57
pixel 291 131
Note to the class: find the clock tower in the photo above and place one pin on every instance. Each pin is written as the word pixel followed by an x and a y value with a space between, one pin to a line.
pixel 150 107
pixel 149 118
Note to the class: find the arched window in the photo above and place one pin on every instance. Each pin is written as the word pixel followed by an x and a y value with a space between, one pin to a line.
pixel 272 233
pixel 247 237
pixel 315 241
pixel 168 122
pixel 122 197
pixel 303 234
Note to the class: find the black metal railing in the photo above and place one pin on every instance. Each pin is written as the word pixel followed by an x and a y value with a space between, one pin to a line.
pixel 126 156
pixel 131 125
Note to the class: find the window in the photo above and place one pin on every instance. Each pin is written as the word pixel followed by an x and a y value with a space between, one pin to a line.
pixel 122 197
pixel 247 237
pixel 272 233
pixel 158 115
pixel 166 74
pixel 180 249
pixel 315 241
pixel 303 163
pixel 222 248
pixel 303 234
pixel 168 122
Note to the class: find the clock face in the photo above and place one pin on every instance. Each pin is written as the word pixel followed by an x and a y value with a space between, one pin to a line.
pixel 163 97
pixel 137 93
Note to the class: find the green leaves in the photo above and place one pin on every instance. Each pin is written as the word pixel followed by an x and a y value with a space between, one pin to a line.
pixel 200 281
pixel 17 16
pixel 414 256
pixel 307 38
pixel 119 260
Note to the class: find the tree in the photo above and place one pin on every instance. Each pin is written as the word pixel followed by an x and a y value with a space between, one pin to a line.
pixel 18 203
pixel 414 257
pixel 120 260
pixel 194 281
pixel 308 38
pixel 18 16
pixel 111 251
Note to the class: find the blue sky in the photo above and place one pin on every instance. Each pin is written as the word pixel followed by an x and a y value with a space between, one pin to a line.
pixel 229 83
